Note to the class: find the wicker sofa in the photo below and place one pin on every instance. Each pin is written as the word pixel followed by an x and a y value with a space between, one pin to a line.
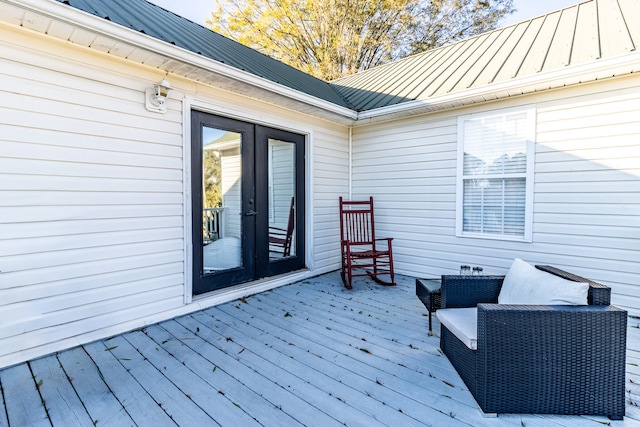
pixel 553 359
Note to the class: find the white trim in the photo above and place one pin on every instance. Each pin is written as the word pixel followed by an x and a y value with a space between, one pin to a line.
pixel 186 200
pixel 531 112
pixel 350 162
pixel 577 74
pixel 309 197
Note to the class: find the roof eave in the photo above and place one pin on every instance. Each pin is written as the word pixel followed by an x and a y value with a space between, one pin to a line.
pixel 226 76
pixel 591 72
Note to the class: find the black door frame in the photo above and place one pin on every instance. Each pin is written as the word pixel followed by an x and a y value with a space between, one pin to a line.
pixel 255 235
pixel 265 266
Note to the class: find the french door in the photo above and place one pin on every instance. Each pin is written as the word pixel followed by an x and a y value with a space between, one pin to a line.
pixel 247 185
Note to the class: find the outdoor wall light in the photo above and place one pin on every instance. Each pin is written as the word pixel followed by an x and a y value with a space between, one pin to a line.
pixel 157 95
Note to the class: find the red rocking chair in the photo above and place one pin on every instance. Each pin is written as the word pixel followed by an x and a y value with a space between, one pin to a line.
pixel 360 248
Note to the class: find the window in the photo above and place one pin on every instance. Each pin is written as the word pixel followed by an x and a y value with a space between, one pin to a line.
pixel 495 174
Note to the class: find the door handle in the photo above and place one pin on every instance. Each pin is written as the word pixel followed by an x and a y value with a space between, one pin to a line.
pixel 251 213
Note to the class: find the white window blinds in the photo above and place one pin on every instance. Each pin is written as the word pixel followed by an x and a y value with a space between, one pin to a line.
pixel 493 173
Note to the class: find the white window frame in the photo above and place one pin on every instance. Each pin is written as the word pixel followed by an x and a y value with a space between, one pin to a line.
pixel 529 174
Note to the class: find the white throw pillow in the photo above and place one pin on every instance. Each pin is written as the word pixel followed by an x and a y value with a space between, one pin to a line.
pixel 525 284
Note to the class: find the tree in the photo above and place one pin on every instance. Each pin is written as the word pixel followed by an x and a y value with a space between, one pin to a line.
pixel 212 178
pixel 446 21
pixel 333 38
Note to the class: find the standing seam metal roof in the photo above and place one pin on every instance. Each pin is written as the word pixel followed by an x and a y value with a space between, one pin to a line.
pixel 153 20
pixel 579 34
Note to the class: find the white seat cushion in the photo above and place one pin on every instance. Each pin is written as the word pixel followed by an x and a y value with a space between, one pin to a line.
pixel 462 322
pixel 525 284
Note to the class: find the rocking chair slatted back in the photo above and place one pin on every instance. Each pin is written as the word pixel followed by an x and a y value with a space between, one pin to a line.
pixel 359 226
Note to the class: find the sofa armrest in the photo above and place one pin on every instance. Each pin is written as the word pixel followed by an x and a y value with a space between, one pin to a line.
pixel 554 352
pixel 468 291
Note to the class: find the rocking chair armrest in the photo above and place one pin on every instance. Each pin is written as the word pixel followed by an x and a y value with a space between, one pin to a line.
pixel 387 239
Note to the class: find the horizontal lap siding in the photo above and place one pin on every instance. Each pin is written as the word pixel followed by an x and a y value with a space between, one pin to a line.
pixel 91 224
pixel 587 189
pixel 587 205
pixel 330 179
pixel 91 193
pixel 409 168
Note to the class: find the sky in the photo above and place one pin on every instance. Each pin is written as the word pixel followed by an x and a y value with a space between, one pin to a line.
pixel 199 10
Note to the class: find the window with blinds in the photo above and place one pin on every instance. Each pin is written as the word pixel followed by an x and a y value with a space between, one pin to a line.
pixel 495 174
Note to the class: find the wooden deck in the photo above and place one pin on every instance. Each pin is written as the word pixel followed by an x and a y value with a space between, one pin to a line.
pixel 310 354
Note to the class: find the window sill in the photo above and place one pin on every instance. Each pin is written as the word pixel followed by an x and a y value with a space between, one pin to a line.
pixel 522 239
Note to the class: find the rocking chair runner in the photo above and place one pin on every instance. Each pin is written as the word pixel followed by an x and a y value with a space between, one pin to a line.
pixel 360 248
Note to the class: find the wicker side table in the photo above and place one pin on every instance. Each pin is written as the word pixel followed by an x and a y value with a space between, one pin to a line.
pixel 428 290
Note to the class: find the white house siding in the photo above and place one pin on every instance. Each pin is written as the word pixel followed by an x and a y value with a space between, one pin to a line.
pixel 231 162
pixel 330 177
pixel 91 193
pixel 283 183
pixel 587 188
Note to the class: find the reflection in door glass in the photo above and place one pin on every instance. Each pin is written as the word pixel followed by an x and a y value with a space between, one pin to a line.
pixel 221 200
pixel 282 189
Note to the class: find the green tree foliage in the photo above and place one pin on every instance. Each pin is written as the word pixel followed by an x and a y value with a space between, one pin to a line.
pixel 212 178
pixel 333 38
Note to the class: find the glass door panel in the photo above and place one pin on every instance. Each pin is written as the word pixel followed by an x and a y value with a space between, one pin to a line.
pixel 221 200
pixel 223 194
pixel 281 194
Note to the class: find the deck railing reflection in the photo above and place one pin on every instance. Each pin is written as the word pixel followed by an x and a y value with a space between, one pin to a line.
pixel 212 224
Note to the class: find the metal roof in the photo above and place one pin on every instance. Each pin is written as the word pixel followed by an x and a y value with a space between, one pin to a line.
pixel 585 33
pixel 580 34
pixel 164 25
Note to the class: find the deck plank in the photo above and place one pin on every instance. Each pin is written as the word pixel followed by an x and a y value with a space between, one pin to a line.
pixel 144 411
pixel 341 383
pixel 61 400
pixel 366 382
pixel 252 376
pixel 311 353
pixel 407 384
pixel 22 400
pixel 102 406
pixel 218 380
pixel 217 406
pixel 279 368
pixel 4 422
pixel 176 404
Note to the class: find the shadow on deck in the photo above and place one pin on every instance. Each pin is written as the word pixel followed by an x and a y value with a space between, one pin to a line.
pixel 311 353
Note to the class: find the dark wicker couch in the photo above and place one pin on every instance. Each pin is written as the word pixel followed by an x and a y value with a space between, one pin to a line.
pixel 540 359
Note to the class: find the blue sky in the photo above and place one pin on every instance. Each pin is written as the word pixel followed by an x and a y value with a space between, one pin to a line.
pixel 199 10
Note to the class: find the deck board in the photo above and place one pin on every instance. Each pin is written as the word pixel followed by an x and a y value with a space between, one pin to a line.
pixel 144 411
pixel 62 400
pixel 22 400
pixel 311 353
pixel 97 398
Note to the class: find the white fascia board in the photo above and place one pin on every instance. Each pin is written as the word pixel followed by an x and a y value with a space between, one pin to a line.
pixel 92 23
pixel 594 71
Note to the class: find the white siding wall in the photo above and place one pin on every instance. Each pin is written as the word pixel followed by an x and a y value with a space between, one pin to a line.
pixel 330 180
pixel 90 198
pixel 587 189
pixel 284 185
pixel 231 162
pixel 91 194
